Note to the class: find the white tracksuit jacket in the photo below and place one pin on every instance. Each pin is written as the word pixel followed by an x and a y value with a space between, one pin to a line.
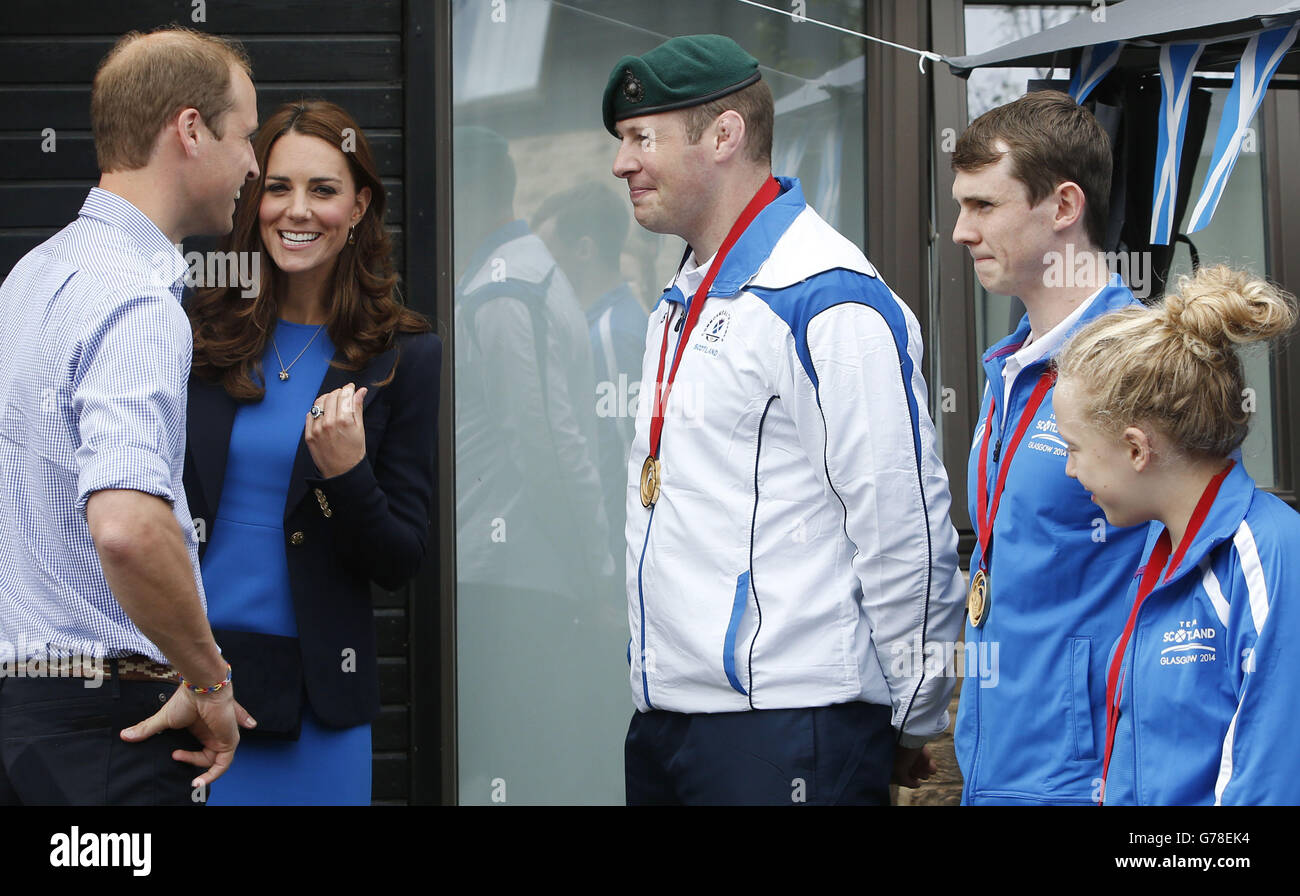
pixel 800 553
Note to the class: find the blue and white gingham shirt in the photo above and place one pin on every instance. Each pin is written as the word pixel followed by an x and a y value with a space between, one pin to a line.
pixel 94 358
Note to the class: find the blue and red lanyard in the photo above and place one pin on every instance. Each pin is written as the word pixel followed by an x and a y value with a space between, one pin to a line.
pixel 765 195
pixel 986 513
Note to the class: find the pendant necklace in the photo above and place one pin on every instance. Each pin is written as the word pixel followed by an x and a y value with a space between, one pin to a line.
pixel 284 371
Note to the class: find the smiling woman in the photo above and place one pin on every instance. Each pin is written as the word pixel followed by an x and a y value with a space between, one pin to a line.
pixel 310 185
pixel 309 209
pixel 316 481
pixel 1202 683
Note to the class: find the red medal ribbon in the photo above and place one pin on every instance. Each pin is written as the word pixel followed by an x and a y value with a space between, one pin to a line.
pixel 986 514
pixel 1150 575
pixel 766 194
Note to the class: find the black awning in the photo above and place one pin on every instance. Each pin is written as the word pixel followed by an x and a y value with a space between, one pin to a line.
pixel 1146 24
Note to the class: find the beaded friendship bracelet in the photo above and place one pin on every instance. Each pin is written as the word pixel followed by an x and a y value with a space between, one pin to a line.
pixel 209 690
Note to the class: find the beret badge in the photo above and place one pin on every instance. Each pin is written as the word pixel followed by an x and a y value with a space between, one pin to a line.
pixel 633 89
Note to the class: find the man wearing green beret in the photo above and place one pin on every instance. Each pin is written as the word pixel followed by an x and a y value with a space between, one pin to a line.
pixel 792 572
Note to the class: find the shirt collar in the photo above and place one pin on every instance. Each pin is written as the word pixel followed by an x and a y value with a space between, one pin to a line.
pixel 161 255
pixel 693 273
pixel 1048 343
pixel 1111 297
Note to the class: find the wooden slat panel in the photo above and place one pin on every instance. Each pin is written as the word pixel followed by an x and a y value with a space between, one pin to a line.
pixel 394 680
pixel 372 105
pixel 236 17
pixel 391 632
pixel 39 204
pixel 279 58
pixel 399 253
pixel 390 778
pixel 15 244
pixel 390 729
pixel 321 59
pixel 396 207
pixel 386 146
pixel 24 108
pixel 21 157
pixel 382 597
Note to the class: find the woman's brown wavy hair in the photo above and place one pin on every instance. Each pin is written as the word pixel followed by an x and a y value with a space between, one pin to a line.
pixel 365 311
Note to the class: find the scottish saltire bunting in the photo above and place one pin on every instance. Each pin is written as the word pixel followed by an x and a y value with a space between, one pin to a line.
pixel 1177 66
pixel 1095 64
pixel 1260 60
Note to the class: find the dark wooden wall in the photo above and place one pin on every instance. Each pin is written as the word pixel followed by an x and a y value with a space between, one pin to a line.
pixel 342 50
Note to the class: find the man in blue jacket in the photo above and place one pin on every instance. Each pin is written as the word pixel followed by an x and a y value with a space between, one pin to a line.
pixel 1048 575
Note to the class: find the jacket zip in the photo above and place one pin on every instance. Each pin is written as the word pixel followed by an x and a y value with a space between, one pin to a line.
pixel 972 785
pixel 640 569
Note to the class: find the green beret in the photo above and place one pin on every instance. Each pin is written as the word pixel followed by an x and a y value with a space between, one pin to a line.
pixel 685 71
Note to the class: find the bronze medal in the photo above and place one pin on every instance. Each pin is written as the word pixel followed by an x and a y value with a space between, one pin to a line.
pixel 651 473
pixel 977 599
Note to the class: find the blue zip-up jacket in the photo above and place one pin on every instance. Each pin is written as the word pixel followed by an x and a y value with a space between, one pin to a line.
pixel 1031 722
pixel 1211 674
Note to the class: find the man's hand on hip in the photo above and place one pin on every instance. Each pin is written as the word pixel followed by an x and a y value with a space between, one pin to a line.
pixel 214 719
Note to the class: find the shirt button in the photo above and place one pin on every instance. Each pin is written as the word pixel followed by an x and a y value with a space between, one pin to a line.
pixel 297 538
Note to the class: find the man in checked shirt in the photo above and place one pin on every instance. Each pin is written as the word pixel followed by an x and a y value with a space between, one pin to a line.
pixel 98 554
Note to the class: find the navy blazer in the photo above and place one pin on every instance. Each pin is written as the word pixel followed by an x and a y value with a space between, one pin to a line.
pixel 369 524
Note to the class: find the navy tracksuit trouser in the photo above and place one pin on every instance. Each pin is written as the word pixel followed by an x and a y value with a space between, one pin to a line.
pixel 827 755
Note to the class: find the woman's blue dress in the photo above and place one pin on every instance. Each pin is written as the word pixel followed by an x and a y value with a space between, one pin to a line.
pixel 246 579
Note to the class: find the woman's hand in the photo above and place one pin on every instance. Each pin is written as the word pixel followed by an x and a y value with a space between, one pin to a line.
pixel 336 437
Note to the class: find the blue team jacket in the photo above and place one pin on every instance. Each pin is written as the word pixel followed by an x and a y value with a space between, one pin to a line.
pixel 1031 722
pixel 1211 674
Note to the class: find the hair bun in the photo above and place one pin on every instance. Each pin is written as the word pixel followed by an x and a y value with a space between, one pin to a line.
pixel 1203 350
pixel 1217 307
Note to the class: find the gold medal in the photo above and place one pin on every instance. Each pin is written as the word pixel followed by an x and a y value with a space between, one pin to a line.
pixel 977 599
pixel 650 476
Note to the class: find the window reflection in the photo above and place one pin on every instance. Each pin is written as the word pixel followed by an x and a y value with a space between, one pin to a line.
pixel 554 283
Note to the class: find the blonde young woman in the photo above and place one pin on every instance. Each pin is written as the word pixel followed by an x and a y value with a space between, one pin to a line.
pixel 1203 683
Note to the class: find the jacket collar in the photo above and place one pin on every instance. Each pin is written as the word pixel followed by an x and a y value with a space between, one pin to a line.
pixel 754 246
pixel 1221 524
pixel 1113 296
